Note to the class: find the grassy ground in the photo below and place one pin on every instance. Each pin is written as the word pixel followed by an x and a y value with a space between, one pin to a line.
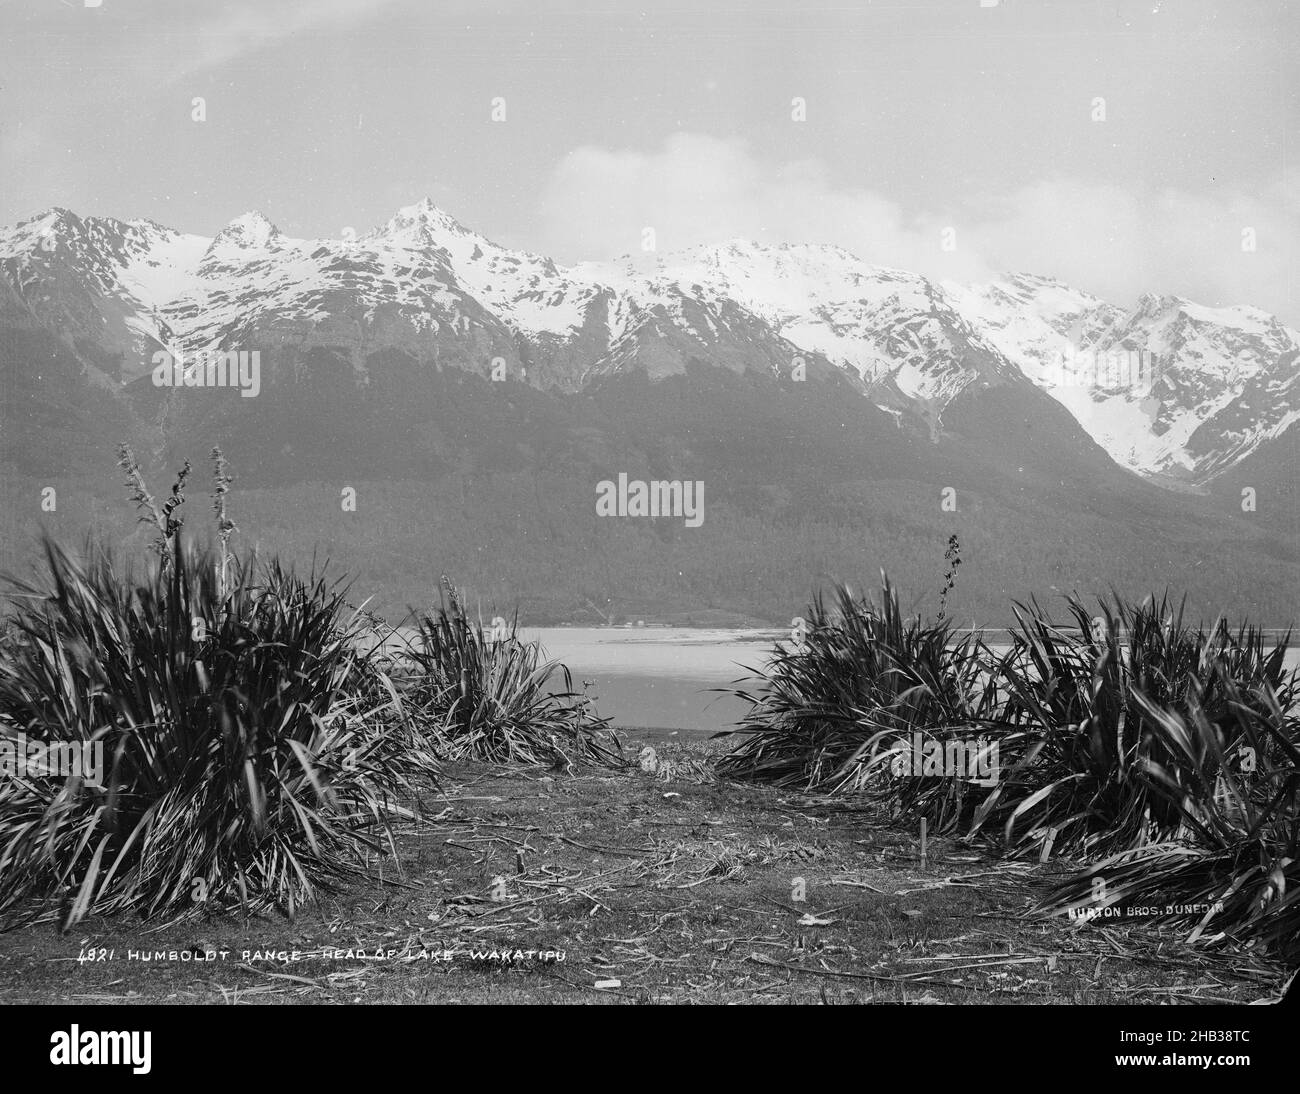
pixel 662 887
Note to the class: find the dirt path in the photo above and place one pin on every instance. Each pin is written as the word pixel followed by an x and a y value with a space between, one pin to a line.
pixel 658 890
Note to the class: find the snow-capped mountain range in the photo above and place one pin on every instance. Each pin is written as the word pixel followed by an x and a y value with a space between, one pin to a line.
pixel 1170 389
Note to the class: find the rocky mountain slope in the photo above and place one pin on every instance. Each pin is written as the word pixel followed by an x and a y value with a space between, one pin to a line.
pixel 1219 383
pixel 837 411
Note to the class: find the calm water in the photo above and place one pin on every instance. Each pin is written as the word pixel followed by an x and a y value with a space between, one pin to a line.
pixel 661 676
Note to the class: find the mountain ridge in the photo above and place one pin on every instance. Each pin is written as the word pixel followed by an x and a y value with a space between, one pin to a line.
pixel 1228 380
pixel 844 417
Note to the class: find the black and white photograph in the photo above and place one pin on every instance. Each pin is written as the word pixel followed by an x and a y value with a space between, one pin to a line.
pixel 605 503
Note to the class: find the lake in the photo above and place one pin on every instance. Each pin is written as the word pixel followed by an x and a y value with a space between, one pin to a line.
pixel 659 676
pixel 662 676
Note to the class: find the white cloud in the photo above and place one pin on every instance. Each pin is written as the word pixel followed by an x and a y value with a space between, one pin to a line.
pixel 239 28
pixel 1114 239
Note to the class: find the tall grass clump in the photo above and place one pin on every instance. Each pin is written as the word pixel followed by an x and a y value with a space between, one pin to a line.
pixel 1088 705
pixel 1165 756
pixel 489 695
pixel 254 753
pixel 831 710
pixel 1233 867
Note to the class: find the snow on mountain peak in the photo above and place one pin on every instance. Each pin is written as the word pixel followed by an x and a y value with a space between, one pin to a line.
pixel 252 229
pixel 1216 381
pixel 26 235
pixel 420 224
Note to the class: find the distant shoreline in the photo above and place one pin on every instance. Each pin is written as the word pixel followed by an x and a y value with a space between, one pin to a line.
pixel 994 635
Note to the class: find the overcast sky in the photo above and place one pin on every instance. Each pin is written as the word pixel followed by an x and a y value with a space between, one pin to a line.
pixel 920 115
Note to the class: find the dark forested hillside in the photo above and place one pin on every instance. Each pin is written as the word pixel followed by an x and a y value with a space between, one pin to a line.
pixel 495 483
